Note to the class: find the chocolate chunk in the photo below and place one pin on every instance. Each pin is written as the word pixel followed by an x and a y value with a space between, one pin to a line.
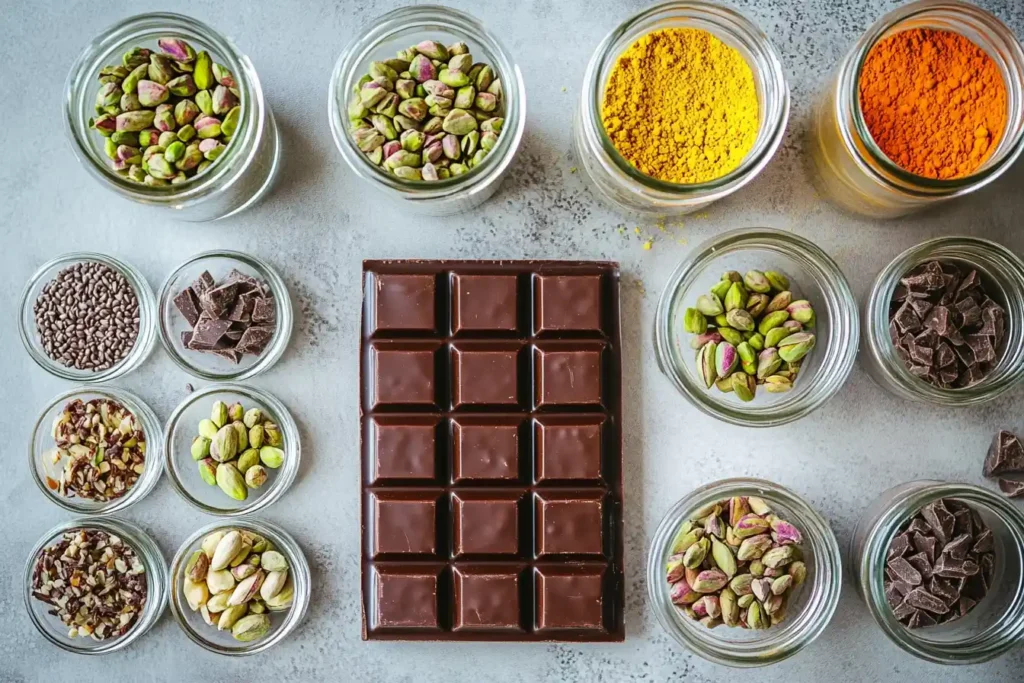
pixel 944 356
pixel 920 562
pixel 919 525
pixel 920 619
pixel 900 545
pixel 906 319
pixel 264 311
pixel 966 605
pixel 939 519
pixel 924 544
pixel 904 571
pixel 982 347
pixel 892 595
pixel 944 589
pixel 970 312
pixel 203 283
pixel 958 547
pixel 188 305
pixel 218 301
pixel 208 333
pixel 970 376
pixel 255 339
pixel 924 282
pixel 950 568
pixel 231 354
pixel 904 611
pixel 921 355
pixel 899 294
pixel 938 319
pixel 983 542
pixel 922 599
pixel 923 306
pixel 241 311
pixel 1005 455
pixel 1011 488
pixel 962 522
pixel 186 338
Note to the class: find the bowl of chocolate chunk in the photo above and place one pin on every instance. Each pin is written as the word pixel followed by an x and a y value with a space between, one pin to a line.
pixel 225 315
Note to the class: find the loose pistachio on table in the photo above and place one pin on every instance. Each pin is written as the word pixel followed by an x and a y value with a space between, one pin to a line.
pixel 167 114
pixel 735 562
pixel 235 447
pixel 429 113
pixel 749 332
pixel 234 580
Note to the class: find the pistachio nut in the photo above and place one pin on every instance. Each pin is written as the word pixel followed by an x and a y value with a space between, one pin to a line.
pixel 252 417
pixel 744 386
pixel 779 557
pixel 734 337
pixel 768 361
pixel 761 588
pixel 729 607
pixel 756 304
pixel 723 557
pixel 255 477
pixel 197 566
pixel 776 335
pixel 273 561
pixel 751 525
pixel 744 601
pixel 738 509
pixel 757 568
pixel 758 505
pixel 231 481
pixel 756 281
pixel 736 297
pixel 259 544
pixel 210 543
pixel 674 568
pixel 247 588
pixel 257 607
pixel 251 627
pixel 710 580
pixel 208 471
pixel 242 435
pixel 706 363
pixel 771 321
pixel 695 554
pixel 230 616
pixel 196 594
pixel 777 384
pixel 726 358
pixel 801 311
pixel 219 413
pixel 694 321
pixel 205 612
pixel 684 538
pixel 755 617
pixel 224 446
pixel 226 547
pixel 740 319
pixel 283 600
pixel 741 584
pixel 754 547
pixel 782 584
pixel 200 447
pixel 243 571
pixel 679 594
pixel 713 526
pixel 798 570
pixel 779 302
pixel 220 581
pixel 272 435
pixel 271 457
pixel 710 305
pixel 721 289
pixel 248 459
pixel 724 384
pixel 218 603
pixel 275 581
pixel 243 553
pixel 777 280
pixel 796 346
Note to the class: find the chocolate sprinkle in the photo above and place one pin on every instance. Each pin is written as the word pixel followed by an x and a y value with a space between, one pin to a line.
pixel 945 328
pixel 950 572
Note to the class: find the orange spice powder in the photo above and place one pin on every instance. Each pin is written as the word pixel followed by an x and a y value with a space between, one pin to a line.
pixel 933 101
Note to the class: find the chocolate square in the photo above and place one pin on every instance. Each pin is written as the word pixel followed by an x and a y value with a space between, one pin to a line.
pixel 483 303
pixel 404 523
pixel 567 373
pixel 568 302
pixel 403 373
pixel 401 302
pixel 485 449
pixel 569 524
pixel 485 523
pixel 405 449
pixel 485 373
pixel 569 598
pixel 487 598
pixel 404 598
pixel 568 448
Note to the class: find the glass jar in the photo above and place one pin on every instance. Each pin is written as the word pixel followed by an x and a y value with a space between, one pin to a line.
pixel 244 172
pixel 813 604
pixel 54 630
pixel 996 624
pixel 1003 274
pixel 616 180
pixel 147 317
pixel 813 275
pixel 42 447
pixel 854 172
pixel 381 39
pixel 282 623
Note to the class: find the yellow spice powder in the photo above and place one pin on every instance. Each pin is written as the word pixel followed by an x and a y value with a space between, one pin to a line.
pixel 681 106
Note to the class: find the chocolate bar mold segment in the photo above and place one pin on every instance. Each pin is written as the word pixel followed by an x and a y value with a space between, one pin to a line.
pixel 490 597
pixel 569 523
pixel 569 448
pixel 404 375
pixel 568 374
pixel 406 523
pixel 405 449
pixel 484 304
pixel 488 524
pixel 405 597
pixel 567 303
pixel 570 597
pixel 398 304
pixel 488 375
pixel 489 449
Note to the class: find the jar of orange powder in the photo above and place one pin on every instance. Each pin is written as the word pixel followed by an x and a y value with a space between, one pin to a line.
pixel 927 106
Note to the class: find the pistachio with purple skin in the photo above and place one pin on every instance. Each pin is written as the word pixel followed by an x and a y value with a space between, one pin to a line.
pixel 710 580
pixel 725 359
pixel 754 547
pixel 207 127
pixel 177 49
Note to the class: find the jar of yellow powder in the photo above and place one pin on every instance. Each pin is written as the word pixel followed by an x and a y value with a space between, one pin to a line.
pixel 682 104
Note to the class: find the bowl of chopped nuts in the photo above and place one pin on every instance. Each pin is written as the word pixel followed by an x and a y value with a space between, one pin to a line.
pixel 96 450
pixel 68 575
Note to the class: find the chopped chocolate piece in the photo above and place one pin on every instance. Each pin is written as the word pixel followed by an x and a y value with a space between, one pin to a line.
pixel 920 370
pixel 264 311
pixel 186 338
pixel 922 306
pixel 922 619
pixel 962 522
pixel 922 355
pixel 906 319
pixel 922 599
pixel 902 587
pixel 924 282
pixel 939 519
pixel 255 339
pixel 925 544
pixel 1005 455
pixel 904 571
pixel 207 333
pixel 218 301
pixel 944 356
pixel 966 355
pixel 938 319
pixel 241 311
pixel 970 312
pixel 203 283
pixel 1011 488
pixel 899 295
pixel 929 338
pixel 983 542
pixel 187 304
pixel 958 547
pixel 904 611
pixel 919 525
pixel 949 568
pixel 944 588
pixel 948 375
pixel 981 345
pixel 894 333
pixel 900 545
pixel 892 595
pixel 920 562
pixel 970 281
pixel 970 376
pixel 231 354
pixel 246 283
pixel 233 334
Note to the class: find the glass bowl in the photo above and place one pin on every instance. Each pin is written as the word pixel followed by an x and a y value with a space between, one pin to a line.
pixel 209 365
pixel 42 446
pixel 813 276
pixel 147 316
pixel 282 623
pixel 814 602
pixel 152 559
pixel 183 471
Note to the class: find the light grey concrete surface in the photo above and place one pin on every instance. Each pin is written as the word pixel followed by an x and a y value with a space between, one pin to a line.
pixel 317 226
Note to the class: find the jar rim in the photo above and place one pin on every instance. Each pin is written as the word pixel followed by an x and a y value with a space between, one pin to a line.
pixel 360 51
pixel 840 349
pixel 283 306
pixel 156 580
pixel 767 63
pixel 268 494
pixel 801 630
pixel 141 27
pixel 147 481
pixel 298 568
pixel 982 254
pixel 147 313
pixel 870 570
pixel 1000 160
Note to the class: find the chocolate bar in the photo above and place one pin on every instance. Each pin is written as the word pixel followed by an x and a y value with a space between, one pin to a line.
pixel 492 451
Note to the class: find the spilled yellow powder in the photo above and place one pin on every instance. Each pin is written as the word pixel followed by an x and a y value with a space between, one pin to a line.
pixel 681 106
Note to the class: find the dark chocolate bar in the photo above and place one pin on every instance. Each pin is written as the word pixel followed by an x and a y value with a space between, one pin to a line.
pixel 492 451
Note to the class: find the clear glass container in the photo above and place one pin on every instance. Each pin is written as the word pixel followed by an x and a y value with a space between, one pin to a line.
pixel 996 624
pixel 1002 273
pixel 244 172
pixel 147 317
pixel 813 604
pixel 380 40
pixel 813 275
pixel 183 470
pixel 208 365
pixel 152 559
pixel 282 623
pixel 854 172
pixel 42 447
pixel 616 180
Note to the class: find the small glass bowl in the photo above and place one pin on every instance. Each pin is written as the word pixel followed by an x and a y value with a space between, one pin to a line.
pixel 209 365
pixel 147 316
pixel 282 623
pixel 156 581
pixel 815 601
pixel 42 445
pixel 183 471
pixel 395 31
pixel 813 275
pixel 995 625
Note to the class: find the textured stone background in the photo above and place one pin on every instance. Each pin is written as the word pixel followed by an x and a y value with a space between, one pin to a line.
pixel 316 227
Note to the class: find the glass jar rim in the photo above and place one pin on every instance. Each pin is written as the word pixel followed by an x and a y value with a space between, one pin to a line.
pixel 147 307
pixel 152 428
pixel 292 448
pixel 772 124
pixel 876 320
pixel 842 344
pixel 871 571
pixel 283 305
pixel 359 51
pixel 825 587
pixel 142 27
pixel 298 569
pixel 987 172
pixel 156 579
